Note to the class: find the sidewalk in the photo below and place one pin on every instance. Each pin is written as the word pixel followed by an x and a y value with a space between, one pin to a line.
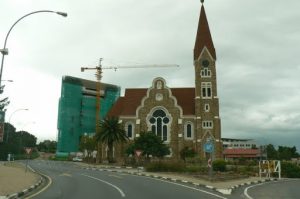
pixel 14 179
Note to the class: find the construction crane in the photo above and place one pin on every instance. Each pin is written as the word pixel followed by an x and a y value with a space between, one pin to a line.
pixel 98 75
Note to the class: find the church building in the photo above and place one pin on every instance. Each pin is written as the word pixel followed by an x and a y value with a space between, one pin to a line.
pixel 181 117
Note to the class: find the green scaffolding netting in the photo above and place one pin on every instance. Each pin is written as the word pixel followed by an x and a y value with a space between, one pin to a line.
pixel 77 110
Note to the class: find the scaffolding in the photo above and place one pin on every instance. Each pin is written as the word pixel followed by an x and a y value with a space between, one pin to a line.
pixel 77 111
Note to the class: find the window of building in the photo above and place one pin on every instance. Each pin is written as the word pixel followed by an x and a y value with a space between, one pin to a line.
pixel 159 124
pixel 188 131
pixel 129 128
pixel 205 72
pixel 207 124
pixel 206 91
pixel 206 107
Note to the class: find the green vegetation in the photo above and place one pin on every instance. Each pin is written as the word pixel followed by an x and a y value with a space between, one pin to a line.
pixel 282 153
pixel 149 144
pixel 219 165
pixel 169 166
pixel 111 131
pixel 187 152
pixel 165 167
pixel 290 170
pixel 47 146
pixel 16 142
pixel 3 102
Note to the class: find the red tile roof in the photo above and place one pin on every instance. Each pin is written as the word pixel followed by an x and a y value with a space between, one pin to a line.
pixel 203 37
pixel 127 105
pixel 241 153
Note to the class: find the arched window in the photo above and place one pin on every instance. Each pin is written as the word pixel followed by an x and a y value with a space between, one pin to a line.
pixel 129 128
pixel 188 131
pixel 159 122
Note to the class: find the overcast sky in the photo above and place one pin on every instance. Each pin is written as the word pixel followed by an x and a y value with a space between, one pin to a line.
pixel 257 44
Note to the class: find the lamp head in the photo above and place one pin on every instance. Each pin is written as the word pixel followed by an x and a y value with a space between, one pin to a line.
pixel 64 14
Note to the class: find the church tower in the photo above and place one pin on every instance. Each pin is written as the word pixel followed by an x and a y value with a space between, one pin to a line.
pixel 208 123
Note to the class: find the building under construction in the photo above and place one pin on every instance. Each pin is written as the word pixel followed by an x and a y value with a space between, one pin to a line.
pixel 77 112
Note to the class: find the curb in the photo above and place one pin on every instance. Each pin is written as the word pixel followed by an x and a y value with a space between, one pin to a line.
pixel 31 188
pixel 253 182
pixel 25 191
pixel 222 191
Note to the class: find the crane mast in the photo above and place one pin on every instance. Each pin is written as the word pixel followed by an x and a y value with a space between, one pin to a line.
pixel 98 75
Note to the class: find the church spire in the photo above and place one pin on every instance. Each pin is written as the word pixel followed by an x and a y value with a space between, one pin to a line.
pixel 203 38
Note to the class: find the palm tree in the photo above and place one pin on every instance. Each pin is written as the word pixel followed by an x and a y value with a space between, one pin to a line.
pixel 110 132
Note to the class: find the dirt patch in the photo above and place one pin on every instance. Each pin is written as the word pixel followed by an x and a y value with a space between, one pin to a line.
pixel 220 177
pixel 13 178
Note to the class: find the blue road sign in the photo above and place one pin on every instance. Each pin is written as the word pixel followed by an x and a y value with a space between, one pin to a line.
pixel 209 147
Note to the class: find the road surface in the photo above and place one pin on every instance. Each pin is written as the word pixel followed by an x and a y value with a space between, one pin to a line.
pixel 281 189
pixel 70 181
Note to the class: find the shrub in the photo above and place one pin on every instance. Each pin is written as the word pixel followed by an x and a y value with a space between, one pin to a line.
pixel 165 166
pixel 196 169
pixel 290 170
pixel 187 152
pixel 219 165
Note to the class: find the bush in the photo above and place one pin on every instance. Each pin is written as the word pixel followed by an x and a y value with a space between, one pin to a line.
pixel 290 170
pixel 165 166
pixel 196 169
pixel 219 165
pixel 187 152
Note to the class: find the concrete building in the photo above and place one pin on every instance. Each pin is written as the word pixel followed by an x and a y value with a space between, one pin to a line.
pixel 234 149
pixel 230 143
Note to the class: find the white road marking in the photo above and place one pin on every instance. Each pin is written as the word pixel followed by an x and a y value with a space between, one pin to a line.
pixel 121 192
pixel 193 188
pixel 247 188
pixel 46 187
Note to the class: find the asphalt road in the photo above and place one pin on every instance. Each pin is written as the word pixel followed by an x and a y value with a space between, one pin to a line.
pixel 281 189
pixel 70 181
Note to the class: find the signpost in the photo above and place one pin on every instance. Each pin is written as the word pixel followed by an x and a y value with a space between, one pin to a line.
pixel 138 154
pixel 28 152
pixel 268 167
pixel 209 148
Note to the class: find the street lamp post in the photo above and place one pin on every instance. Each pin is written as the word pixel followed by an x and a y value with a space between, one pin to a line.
pixel 20 109
pixel 4 51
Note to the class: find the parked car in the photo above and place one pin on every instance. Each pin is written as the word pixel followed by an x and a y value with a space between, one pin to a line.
pixel 77 159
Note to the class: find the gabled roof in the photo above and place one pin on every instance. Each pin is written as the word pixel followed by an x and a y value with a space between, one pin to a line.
pixel 203 38
pixel 127 105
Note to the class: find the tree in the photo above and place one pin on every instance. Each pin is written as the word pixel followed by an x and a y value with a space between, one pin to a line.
pixel 47 146
pixel 187 152
pixel 16 142
pixel 287 153
pixel 110 132
pixel 150 144
pixel 87 143
pixel 3 102
pixel 271 152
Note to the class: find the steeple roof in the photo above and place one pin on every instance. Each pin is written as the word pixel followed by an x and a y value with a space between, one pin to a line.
pixel 203 38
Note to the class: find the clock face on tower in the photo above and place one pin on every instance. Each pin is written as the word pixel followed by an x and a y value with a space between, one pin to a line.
pixel 205 63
